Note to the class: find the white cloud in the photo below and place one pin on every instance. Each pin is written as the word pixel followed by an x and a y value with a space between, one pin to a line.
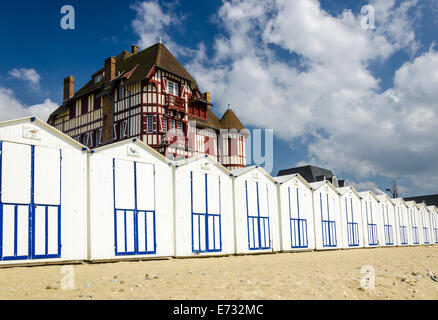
pixel 364 186
pixel 321 85
pixel 12 108
pixel 30 75
pixel 154 21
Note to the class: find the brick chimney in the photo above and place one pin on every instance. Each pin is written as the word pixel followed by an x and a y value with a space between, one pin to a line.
pixel 69 87
pixel 110 69
pixel 134 49
pixel 207 96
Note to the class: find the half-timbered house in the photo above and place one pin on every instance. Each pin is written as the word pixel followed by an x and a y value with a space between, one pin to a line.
pixel 150 96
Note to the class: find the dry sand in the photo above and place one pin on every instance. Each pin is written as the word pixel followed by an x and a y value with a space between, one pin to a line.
pixel 400 273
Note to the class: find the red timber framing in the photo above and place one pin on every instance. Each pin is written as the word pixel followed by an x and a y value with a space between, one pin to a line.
pixel 149 109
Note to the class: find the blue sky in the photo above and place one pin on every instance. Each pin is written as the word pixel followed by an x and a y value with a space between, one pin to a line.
pixel 357 101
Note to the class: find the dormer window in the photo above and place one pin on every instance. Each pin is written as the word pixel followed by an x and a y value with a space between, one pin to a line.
pixel 172 88
pixel 98 78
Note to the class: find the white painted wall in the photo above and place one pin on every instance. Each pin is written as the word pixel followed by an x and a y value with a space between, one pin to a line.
pixel 326 205
pixel 18 136
pixel 267 202
pixel 296 202
pixel 372 220
pixel 426 231
pixel 389 235
pixel 403 229
pixel 102 205
pixel 352 222
pixel 221 198
pixel 434 223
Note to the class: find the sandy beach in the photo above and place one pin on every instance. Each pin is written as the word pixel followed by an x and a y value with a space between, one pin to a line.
pixel 399 273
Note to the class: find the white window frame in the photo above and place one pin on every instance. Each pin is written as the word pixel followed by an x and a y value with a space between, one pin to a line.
pixel 123 129
pixel 121 92
pixel 180 126
pixel 150 124
pixel 172 88
pixel 98 78
pixel 98 137
pixel 165 127
pixel 172 125
pixel 115 131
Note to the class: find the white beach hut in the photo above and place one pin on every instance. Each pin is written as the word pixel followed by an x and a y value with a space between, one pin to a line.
pixel 256 211
pixel 296 213
pixel 425 223
pixel 434 223
pixel 131 209
pixel 203 197
pixel 351 217
pixel 372 220
pixel 414 222
pixel 402 222
pixel 388 215
pixel 327 216
pixel 43 203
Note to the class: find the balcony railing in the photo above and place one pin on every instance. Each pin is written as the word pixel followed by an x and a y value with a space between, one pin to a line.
pixel 176 103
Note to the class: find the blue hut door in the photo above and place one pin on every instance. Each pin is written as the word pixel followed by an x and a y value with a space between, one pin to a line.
pixel 329 238
pixel 30 207
pixel 298 225
pixel 403 227
pixel 257 206
pixel 134 208
pixel 373 239
pixel 352 226
pixel 389 237
pixel 415 237
pixel 424 220
pixel 206 212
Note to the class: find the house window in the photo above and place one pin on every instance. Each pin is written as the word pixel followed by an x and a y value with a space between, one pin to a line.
pixel 84 105
pixel 98 78
pixel 121 92
pixel 171 124
pixel 72 112
pixel 78 108
pixel 164 124
pixel 123 129
pixel 172 88
pixel 115 131
pixel 180 126
pixel 98 137
pixel 150 122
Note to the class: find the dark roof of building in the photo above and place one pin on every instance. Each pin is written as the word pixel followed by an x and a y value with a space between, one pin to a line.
pixel 310 173
pixel 230 121
pixel 430 200
pixel 140 65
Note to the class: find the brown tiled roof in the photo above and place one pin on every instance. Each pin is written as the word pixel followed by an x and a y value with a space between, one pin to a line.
pixel 230 121
pixel 157 55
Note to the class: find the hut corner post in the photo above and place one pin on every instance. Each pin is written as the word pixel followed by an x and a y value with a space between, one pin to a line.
pixel 279 213
pixel 233 188
pixel 174 208
pixel 88 189
pixel 314 219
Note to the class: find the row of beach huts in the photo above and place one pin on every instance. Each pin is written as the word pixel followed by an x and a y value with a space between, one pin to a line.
pixel 61 202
